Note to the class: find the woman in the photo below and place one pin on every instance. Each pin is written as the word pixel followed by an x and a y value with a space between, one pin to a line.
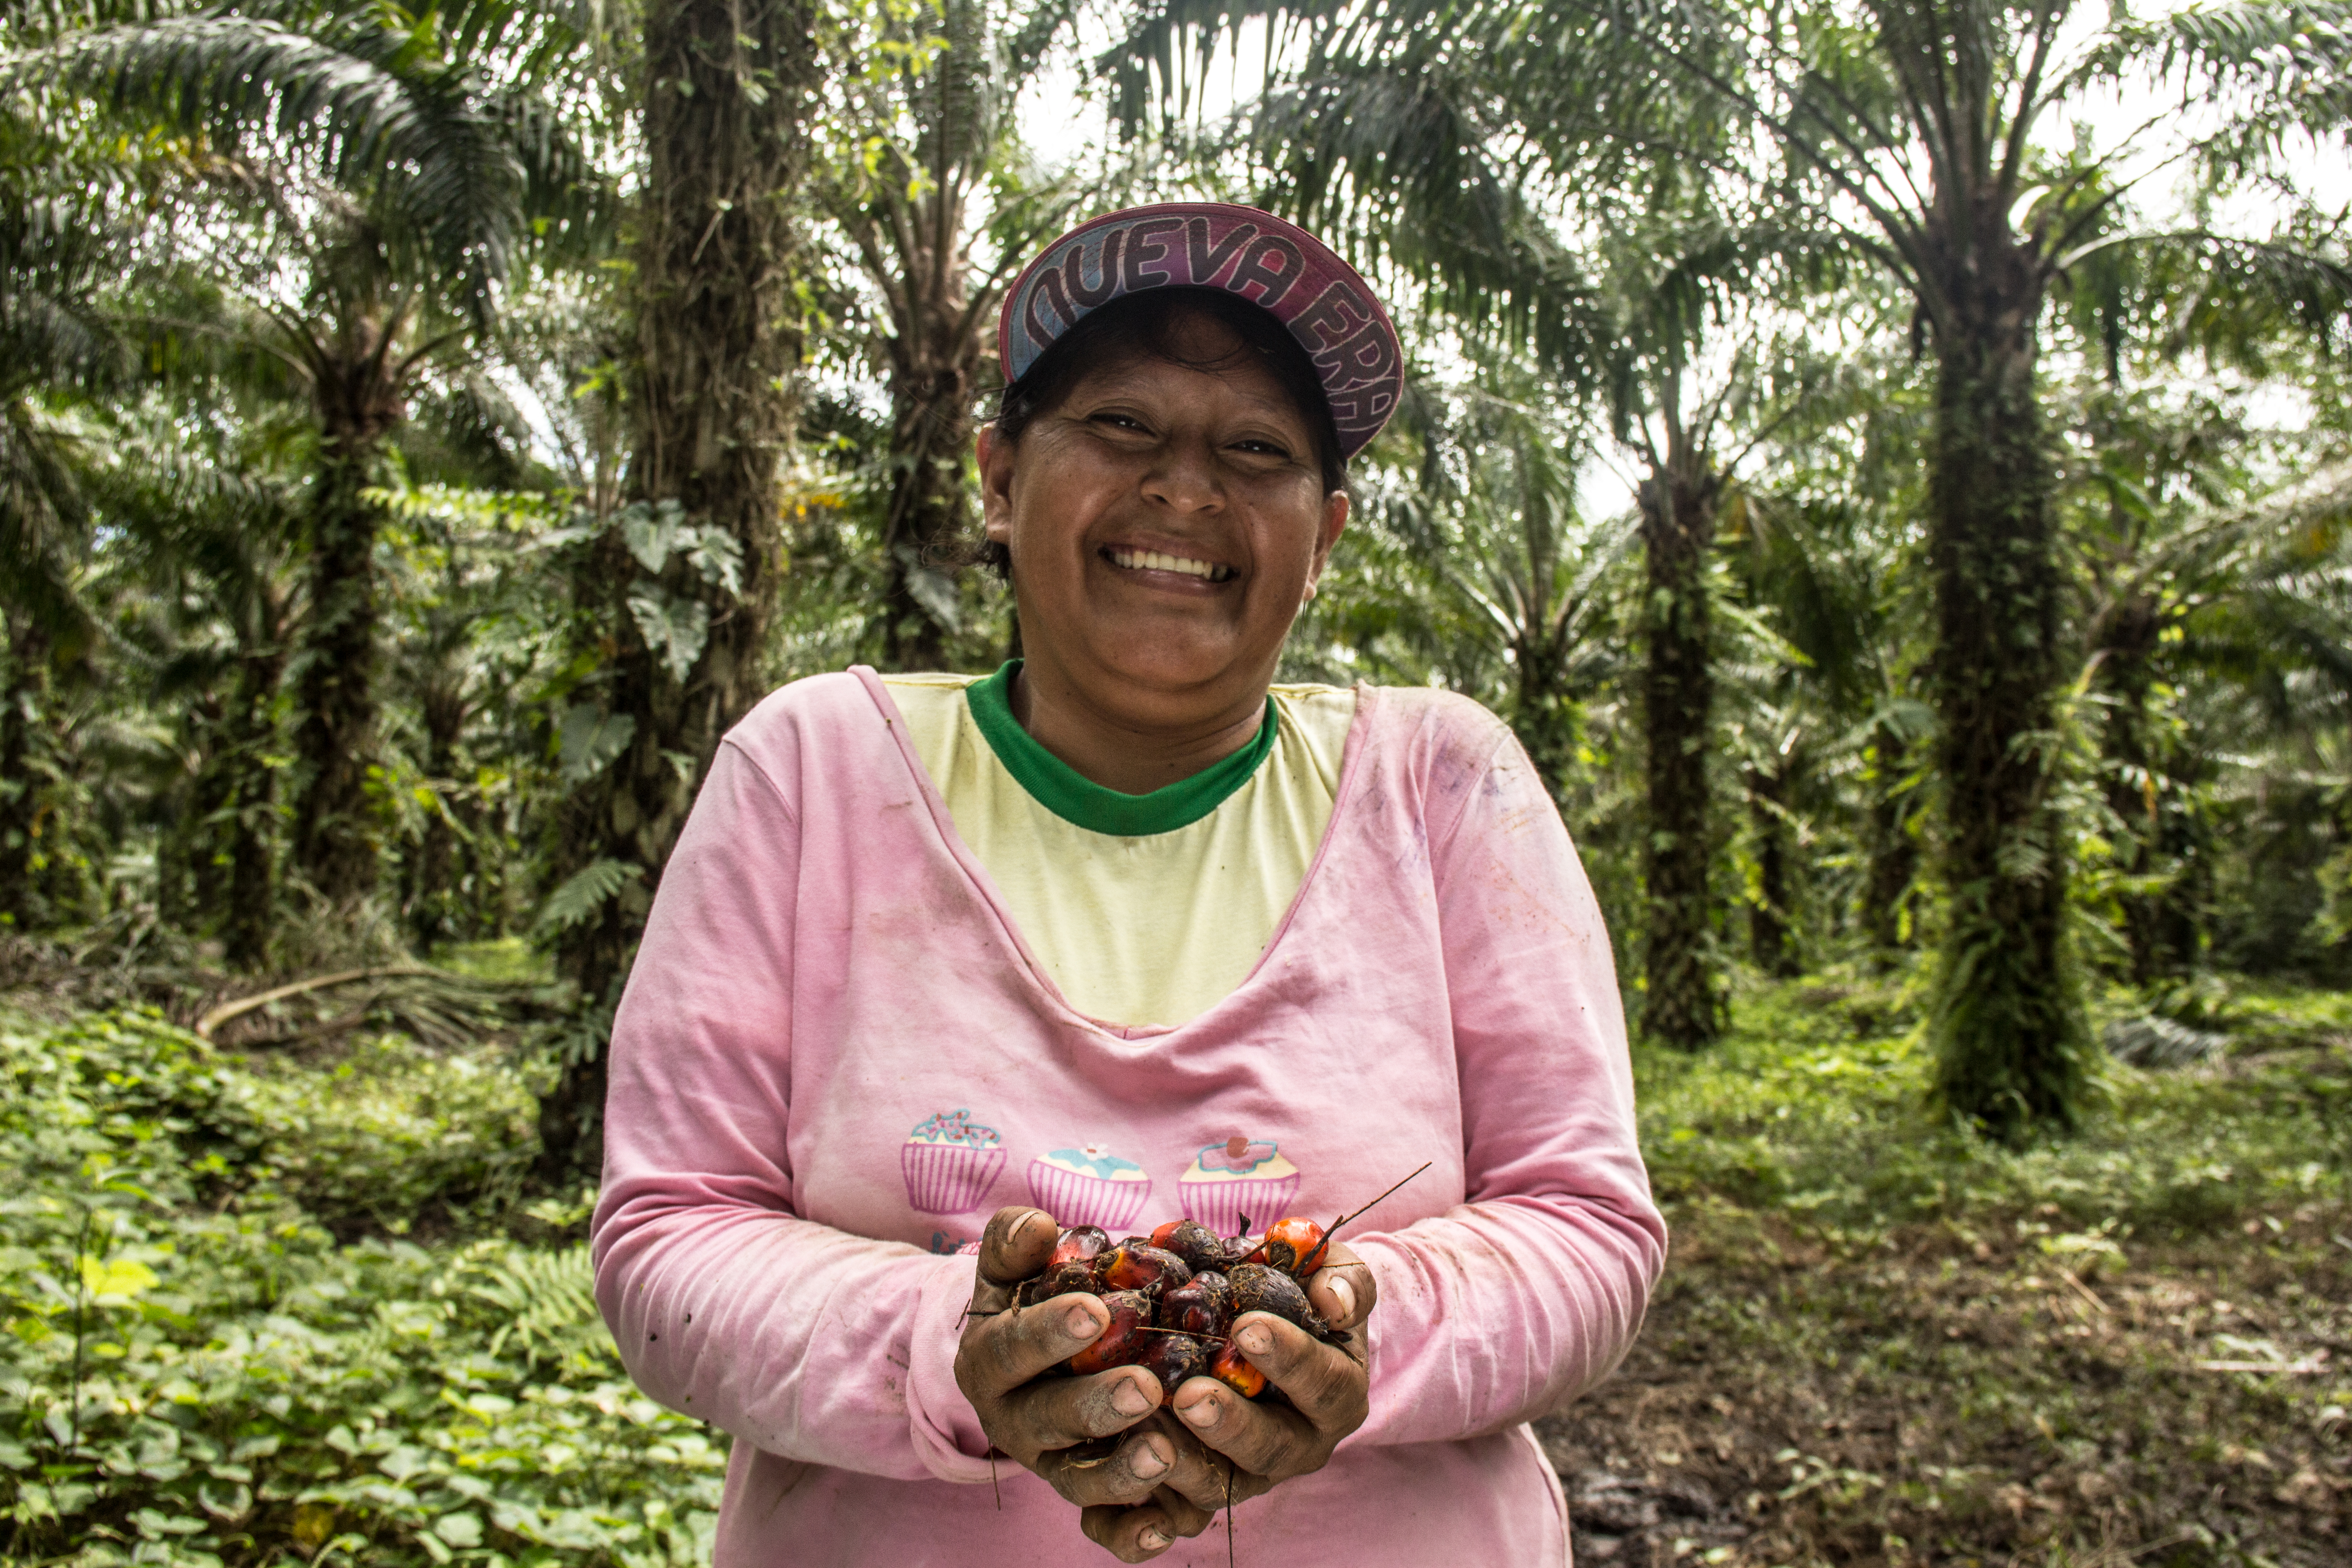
pixel 1123 932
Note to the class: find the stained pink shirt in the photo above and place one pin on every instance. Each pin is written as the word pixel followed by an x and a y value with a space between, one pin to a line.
pixel 836 1059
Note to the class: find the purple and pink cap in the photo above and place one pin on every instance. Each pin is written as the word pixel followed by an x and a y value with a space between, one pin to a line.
pixel 1239 250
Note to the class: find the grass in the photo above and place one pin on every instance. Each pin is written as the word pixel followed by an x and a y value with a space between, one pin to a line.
pixel 266 1307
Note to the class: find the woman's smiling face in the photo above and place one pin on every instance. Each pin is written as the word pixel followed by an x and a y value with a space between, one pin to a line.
pixel 1165 523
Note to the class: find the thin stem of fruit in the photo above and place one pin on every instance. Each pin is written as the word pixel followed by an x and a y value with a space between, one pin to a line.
pixel 1229 1513
pixel 1368 1207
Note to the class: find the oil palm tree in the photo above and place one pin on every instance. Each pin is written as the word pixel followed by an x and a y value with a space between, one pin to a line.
pixel 924 174
pixel 59 255
pixel 401 166
pixel 675 590
pixel 1910 128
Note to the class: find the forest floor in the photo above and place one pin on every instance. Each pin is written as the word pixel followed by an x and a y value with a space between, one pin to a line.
pixel 1878 1343
pixel 291 1297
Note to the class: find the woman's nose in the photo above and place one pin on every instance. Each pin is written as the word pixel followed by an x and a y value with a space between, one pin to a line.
pixel 1183 476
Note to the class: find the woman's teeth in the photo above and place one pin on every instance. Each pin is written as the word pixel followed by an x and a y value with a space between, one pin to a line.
pixel 1153 561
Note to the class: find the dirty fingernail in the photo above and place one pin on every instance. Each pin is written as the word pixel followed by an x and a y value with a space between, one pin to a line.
pixel 1256 1340
pixel 1029 1222
pixel 1345 1295
pixel 1128 1398
pixel 1081 1323
pixel 1202 1413
pixel 1153 1541
pixel 1152 1458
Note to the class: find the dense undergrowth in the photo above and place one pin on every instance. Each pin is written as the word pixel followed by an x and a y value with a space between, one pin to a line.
pixel 265 1310
pixel 197 1371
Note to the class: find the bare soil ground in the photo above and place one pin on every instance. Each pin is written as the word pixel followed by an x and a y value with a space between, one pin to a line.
pixel 1946 1396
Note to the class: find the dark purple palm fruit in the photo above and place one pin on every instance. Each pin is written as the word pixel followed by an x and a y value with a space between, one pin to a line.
pixel 1127 1341
pixel 1139 1266
pixel 1203 1305
pixel 1173 1358
pixel 1202 1249
pixel 1258 1287
pixel 1076 1278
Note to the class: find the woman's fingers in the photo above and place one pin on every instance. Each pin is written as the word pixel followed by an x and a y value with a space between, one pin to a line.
pixel 1325 1385
pixel 1017 1244
pixel 1110 1470
pixel 1266 1441
pixel 1343 1292
pixel 1001 1352
pixel 1139 1533
pixel 1188 1518
pixel 1062 1412
pixel 1204 1477
pixel 1130 1535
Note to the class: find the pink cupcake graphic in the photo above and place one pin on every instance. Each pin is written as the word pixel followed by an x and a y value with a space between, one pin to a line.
pixel 950 1163
pixel 1088 1187
pixel 1238 1185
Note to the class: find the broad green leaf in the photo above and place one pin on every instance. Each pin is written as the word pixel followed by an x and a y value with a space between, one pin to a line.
pixel 589 740
pixel 116 1280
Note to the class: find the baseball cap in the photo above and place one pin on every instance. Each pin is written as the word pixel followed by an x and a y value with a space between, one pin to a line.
pixel 1238 250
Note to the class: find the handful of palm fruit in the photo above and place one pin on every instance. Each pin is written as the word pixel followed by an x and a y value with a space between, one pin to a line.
pixel 1173 1295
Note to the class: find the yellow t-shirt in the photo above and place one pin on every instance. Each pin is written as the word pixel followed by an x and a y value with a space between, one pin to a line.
pixel 1135 926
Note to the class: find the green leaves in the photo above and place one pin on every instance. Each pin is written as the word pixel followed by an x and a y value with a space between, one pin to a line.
pixel 248 1389
pixel 583 893
pixel 588 741
pixel 675 627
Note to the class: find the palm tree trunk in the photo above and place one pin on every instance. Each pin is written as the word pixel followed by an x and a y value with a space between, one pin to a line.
pixel 1891 856
pixel 726 86
pixel 336 830
pixel 431 891
pixel 930 432
pixel 192 873
pixel 1685 1006
pixel 2161 928
pixel 2005 1015
pixel 22 708
pixel 252 796
pixel 1769 941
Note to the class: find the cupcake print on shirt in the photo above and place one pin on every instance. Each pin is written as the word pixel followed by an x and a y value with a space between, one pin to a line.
pixel 1088 1187
pixel 1235 1178
pixel 950 1163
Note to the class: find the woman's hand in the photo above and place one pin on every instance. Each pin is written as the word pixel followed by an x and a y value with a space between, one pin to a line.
pixel 1166 1476
pixel 1329 1392
pixel 1100 1441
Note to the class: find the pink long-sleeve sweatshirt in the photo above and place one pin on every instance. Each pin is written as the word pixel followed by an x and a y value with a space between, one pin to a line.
pixel 836 1059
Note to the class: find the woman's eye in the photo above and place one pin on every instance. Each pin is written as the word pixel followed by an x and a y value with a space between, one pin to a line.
pixel 1264 448
pixel 1118 421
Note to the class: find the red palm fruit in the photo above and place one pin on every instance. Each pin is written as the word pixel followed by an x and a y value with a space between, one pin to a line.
pixel 1079 1243
pixel 1230 1367
pixel 1129 1266
pixel 1205 1305
pixel 1202 1249
pixel 1125 1342
pixel 1295 1245
pixel 1175 1358
pixel 1259 1289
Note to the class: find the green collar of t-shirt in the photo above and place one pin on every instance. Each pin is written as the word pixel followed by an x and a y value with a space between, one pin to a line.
pixel 1074 798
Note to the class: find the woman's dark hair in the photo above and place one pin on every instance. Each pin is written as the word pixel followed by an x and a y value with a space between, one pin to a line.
pixel 1146 327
